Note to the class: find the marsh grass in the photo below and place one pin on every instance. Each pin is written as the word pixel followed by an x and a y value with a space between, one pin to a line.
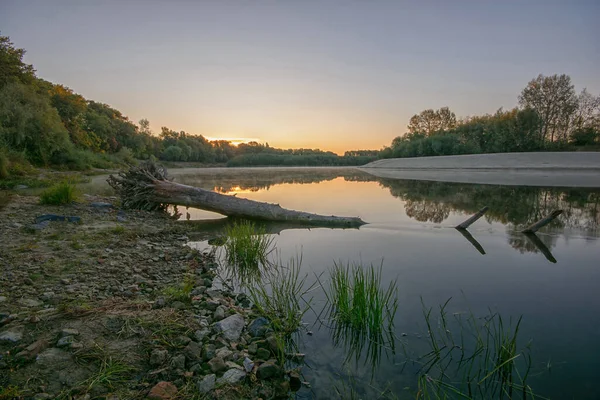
pixel 247 251
pixel 110 371
pixel 282 296
pixel 361 311
pixel 59 194
pixel 480 361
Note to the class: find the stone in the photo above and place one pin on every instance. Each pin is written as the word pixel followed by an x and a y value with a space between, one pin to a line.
pixel 252 348
pixel 31 351
pixel 263 354
pixel 258 327
pixel 248 364
pixel 231 327
pixel 283 389
pixel 232 376
pixel 160 303
pixel 273 343
pixel 65 341
pixel 219 313
pixel 224 353
pixel 217 364
pixel 182 340
pixel 178 305
pixel 42 396
pixel 11 336
pixel 2 299
pixel 268 370
pixel 207 383
pixel 212 305
pixel 193 351
pixel 158 357
pixel 295 381
pixel 30 302
pixel 163 391
pixel 69 332
pixel 178 362
pixel 208 351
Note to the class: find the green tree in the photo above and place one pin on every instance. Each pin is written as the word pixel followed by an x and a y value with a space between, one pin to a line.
pixel 553 98
pixel 431 121
pixel 12 67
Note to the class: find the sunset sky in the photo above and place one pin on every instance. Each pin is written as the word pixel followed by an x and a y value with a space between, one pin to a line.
pixel 337 75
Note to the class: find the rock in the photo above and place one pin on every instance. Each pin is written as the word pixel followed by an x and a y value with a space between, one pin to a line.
pixel 248 364
pixel 2 299
pixel 28 281
pixel 98 204
pixel 31 351
pixel 252 348
pixel 54 217
pixel 69 332
pixel 208 351
pixel 158 357
pixel 30 302
pixel 11 336
pixel 42 396
pixel 160 303
pixel 212 305
pixel 217 364
pixel 178 362
pixel 163 391
pixel 258 327
pixel 193 351
pixel 219 313
pixel 207 384
pixel 268 370
pixel 232 376
pixel 295 381
pixel 263 354
pixel 224 353
pixel 200 334
pixel 178 305
pixel 65 341
pixel 182 340
pixel 231 327
pixel 273 343
pixel 283 389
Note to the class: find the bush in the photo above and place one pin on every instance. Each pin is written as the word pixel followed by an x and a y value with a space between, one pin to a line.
pixel 3 165
pixel 62 193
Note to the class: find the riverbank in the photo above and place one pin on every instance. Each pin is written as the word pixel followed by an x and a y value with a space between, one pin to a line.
pixel 114 305
pixel 565 169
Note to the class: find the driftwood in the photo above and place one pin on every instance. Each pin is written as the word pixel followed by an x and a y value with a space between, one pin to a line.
pixel 148 187
pixel 542 222
pixel 474 218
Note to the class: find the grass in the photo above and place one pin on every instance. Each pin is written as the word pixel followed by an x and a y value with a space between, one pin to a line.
pixel 480 361
pixel 280 296
pixel 182 291
pixel 110 373
pixel 361 311
pixel 247 250
pixel 59 194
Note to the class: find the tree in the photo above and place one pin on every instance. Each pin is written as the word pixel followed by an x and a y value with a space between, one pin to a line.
pixel 12 67
pixel 553 98
pixel 588 111
pixel 430 122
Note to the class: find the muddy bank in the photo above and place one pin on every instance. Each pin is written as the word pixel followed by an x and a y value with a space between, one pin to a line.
pixel 565 169
pixel 112 304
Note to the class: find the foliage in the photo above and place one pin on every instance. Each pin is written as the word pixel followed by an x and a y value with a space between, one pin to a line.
pixel 247 250
pixel 431 122
pixel 473 358
pixel 3 164
pixel 361 310
pixel 280 296
pixel 59 194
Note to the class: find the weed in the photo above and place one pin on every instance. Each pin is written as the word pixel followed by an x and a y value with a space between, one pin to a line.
pixel 361 311
pixel 247 250
pixel 61 193
pixel 10 393
pixel 111 371
pixel 483 357
pixel 280 296
pixel 182 291
pixel 118 230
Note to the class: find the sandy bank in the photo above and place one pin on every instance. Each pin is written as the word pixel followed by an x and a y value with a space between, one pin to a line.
pixel 565 169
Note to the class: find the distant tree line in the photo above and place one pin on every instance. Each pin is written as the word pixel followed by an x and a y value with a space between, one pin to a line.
pixel 47 124
pixel 550 116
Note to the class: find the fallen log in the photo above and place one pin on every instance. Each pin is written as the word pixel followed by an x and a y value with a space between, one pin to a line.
pixel 148 187
pixel 542 222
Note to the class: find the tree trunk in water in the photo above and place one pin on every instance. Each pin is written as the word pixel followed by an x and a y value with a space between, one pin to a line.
pixel 147 187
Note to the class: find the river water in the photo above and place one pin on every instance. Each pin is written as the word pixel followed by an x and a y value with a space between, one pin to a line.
pixel 552 280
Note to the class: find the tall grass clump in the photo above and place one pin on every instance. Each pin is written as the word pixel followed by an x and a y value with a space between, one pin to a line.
pixel 361 310
pixel 61 193
pixel 247 250
pixel 281 296
pixel 479 360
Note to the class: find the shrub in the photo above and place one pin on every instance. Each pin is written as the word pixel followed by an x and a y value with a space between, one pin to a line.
pixel 3 165
pixel 62 193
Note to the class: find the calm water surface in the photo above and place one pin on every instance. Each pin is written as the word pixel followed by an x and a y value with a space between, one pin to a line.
pixel 552 280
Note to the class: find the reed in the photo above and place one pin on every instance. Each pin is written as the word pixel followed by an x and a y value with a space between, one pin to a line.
pixel 247 250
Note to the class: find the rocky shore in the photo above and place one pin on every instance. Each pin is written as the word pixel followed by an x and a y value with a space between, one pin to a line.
pixel 114 305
